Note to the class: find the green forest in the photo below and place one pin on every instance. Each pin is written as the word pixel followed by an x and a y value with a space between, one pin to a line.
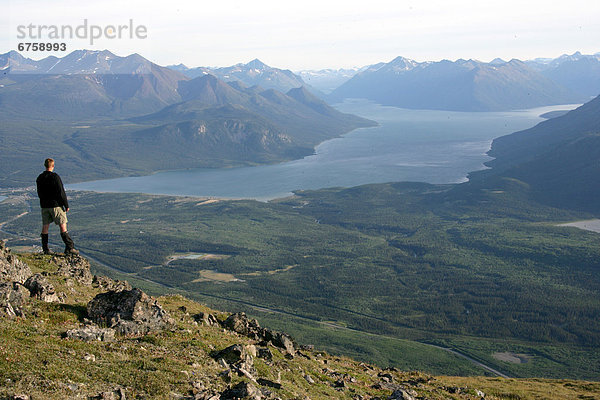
pixel 479 270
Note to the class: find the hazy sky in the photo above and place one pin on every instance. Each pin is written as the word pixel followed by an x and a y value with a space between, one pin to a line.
pixel 318 34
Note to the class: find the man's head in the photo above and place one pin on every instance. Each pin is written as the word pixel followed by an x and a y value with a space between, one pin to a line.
pixel 49 164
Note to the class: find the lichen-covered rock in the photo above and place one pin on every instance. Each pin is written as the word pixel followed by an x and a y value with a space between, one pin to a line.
pixel 117 394
pixel 206 319
pixel 13 297
pixel 242 390
pixel 91 333
pixel 11 268
pixel 284 341
pixel 400 394
pixel 40 288
pixel 238 356
pixel 129 312
pixel 241 324
pixel 107 283
pixel 74 267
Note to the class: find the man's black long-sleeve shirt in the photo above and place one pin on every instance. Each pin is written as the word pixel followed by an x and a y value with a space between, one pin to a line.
pixel 51 191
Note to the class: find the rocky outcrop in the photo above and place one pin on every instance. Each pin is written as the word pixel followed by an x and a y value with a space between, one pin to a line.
pixel 206 319
pixel 75 267
pixel 242 390
pixel 11 268
pixel 241 324
pixel 13 297
pixel 129 312
pixel 238 357
pixel 104 282
pixel 40 288
pixel 117 394
pixel 91 333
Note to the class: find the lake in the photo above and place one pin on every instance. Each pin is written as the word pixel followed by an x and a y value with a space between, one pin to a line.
pixel 408 145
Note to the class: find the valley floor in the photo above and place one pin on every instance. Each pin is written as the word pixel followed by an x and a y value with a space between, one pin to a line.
pixel 378 272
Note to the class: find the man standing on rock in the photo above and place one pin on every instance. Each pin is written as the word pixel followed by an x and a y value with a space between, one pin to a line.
pixel 55 206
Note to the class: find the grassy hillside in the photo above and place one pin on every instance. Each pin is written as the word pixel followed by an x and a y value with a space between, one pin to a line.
pixel 179 362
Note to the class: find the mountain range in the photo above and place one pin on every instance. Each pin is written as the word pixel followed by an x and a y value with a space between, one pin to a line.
pixel 124 114
pixel 469 85
pixel 252 73
pixel 85 84
pixel 327 80
pixel 577 72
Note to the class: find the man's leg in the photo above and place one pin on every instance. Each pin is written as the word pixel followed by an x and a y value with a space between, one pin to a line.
pixel 69 245
pixel 44 235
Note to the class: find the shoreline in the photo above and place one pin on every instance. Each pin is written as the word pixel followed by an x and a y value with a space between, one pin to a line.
pixel 592 225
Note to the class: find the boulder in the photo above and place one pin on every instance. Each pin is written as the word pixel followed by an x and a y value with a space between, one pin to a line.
pixel 13 297
pixel 241 324
pixel 238 356
pixel 206 319
pixel 265 353
pixel 40 288
pixel 117 394
pixel 283 341
pixel 400 394
pixel 74 267
pixel 107 283
pixel 91 333
pixel 11 268
pixel 129 312
pixel 269 383
pixel 242 390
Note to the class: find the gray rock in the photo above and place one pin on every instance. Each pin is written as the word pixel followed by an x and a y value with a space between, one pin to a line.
pixel 385 377
pixel 107 283
pixel 129 312
pixel 13 297
pixel 207 395
pixel 91 333
pixel 75 267
pixel 400 394
pixel 117 394
pixel 238 357
pixel 241 324
pixel 40 288
pixel 339 384
pixel 269 383
pixel 206 319
pixel 284 341
pixel 242 390
pixel 11 268
pixel 265 353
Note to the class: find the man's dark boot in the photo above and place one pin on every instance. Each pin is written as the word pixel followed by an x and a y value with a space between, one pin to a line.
pixel 45 248
pixel 69 245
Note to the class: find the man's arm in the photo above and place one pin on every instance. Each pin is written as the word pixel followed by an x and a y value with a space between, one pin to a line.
pixel 63 195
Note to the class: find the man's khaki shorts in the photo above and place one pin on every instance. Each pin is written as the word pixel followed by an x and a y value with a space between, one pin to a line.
pixel 56 215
